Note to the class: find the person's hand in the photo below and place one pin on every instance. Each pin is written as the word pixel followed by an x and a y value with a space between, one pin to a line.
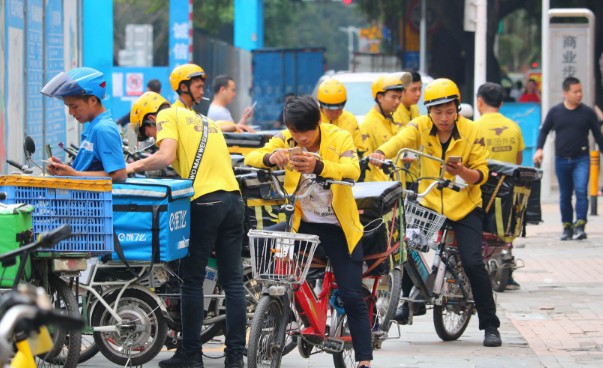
pixel 244 128
pixel 304 163
pixel 377 156
pixel 57 168
pixel 454 168
pixel 538 156
pixel 279 158
pixel 248 112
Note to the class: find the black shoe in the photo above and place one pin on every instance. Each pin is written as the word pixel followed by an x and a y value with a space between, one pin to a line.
pixel 401 315
pixel 579 233
pixel 567 231
pixel 234 361
pixel 179 360
pixel 419 309
pixel 492 337
pixel 512 285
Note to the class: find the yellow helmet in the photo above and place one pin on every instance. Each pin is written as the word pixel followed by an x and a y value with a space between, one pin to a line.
pixel 441 91
pixel 146 104
pixel 389 82
pixel 332 94
pixel 184 73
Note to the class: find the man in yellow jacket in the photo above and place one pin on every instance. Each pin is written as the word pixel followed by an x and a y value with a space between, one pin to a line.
pixel 188 81
pixel 330 213
pixel 194 144
pixel 332 97
pixel 406 111
pixel 502 135
pixel 444 133
pixel 378 125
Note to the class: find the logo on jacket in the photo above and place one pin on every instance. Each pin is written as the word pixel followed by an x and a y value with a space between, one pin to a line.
pixel 499 131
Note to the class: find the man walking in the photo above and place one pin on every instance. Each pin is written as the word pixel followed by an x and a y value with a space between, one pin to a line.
pixel 571 120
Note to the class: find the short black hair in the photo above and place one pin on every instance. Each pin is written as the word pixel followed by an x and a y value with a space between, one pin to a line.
pixel 416 77
pixel 301 113
pixel 154 85
pixel 219 82
pixel 491 93
pixel 568 82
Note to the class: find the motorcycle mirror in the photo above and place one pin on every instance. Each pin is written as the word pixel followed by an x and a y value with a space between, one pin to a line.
pixel 29 146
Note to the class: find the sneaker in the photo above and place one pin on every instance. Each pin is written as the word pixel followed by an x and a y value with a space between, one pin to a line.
pixel 567 231
pixel 402 312
pixel 512 284
pixel 492 337
pixel 579 233
pixel 234 361
pixel 180 360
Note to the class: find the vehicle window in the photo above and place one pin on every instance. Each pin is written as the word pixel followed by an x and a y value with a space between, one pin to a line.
pixel 359 100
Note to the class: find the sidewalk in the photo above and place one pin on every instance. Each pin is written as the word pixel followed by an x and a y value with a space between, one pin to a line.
pixel 554 320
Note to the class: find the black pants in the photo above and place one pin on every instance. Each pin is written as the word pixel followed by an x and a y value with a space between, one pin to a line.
pixel 348 274
pixel 216 223
pixel 469 239
pixel 468 232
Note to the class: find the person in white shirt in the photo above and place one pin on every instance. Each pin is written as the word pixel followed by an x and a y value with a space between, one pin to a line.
pixel 225 90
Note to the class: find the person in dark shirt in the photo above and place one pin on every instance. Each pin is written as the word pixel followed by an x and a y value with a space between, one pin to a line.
pixel 154 85
pixel 571 120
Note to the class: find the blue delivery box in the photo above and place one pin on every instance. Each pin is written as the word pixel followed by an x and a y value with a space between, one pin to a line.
pixel 151 218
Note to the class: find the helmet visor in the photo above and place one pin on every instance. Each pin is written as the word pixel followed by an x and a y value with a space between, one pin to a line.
pixel 332 106
pixel 197 75
pixel 442 100
pixel 62 85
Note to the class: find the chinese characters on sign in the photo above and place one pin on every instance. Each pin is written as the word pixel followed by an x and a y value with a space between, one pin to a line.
pixel 569 56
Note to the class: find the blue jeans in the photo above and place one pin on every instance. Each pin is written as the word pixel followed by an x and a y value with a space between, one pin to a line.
pixel 572 174
pixel 216 223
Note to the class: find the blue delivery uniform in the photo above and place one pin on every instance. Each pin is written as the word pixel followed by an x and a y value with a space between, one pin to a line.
pixel 101 148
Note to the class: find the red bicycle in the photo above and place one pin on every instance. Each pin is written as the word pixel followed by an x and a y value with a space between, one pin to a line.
pixel 280 262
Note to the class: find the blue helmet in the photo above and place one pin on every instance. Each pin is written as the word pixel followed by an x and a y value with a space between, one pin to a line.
pixel 77 82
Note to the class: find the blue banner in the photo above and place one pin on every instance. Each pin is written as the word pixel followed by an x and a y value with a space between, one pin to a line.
pixel 55 110
pixel 180 32
pixel 13 128
pixel 35 75
pixel 527 115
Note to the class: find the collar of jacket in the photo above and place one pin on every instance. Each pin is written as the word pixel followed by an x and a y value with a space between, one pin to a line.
pixel 455 131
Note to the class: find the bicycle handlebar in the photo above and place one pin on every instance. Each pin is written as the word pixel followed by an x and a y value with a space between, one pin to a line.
pixel 35 313
pixel 23 168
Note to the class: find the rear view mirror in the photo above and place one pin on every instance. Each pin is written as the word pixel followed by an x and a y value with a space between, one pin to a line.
pixel 29 147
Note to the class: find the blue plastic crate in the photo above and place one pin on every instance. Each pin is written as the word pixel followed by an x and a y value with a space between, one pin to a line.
pixel 89 213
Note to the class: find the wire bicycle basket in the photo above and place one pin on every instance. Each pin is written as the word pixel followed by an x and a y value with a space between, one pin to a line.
pixel 281 257
pixel 421 225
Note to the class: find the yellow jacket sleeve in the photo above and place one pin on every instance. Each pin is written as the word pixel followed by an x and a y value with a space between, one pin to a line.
pixel 478 158
pixel 255 158
pixel 347 167
pixel 406 138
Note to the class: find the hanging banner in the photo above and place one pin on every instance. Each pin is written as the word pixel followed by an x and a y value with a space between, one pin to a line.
pixel 35 74
pixel 55 109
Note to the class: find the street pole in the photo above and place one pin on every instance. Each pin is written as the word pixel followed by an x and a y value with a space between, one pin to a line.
pixel 479 70
pixel 423 39
pixel 350 30
pixel 544 104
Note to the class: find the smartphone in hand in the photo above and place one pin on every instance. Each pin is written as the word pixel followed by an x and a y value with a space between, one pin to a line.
pixel 294 151
pixel 455 159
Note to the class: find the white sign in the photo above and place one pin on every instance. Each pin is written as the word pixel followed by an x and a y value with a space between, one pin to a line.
pixel 569 58
pixel 134 85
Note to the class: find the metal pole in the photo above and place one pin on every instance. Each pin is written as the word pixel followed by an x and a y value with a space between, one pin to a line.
pixel 545 103
pixel 423 39
pixel 479 70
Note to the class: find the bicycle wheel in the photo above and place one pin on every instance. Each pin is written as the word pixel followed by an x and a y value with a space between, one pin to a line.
pixel 499 273
pixel 143 331
pixel 65 344
pixel 387 298
pixel 452 317
pixel 267 335
pixel 345 358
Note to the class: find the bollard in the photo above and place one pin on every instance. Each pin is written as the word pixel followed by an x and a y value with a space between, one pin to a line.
pixel 594 181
